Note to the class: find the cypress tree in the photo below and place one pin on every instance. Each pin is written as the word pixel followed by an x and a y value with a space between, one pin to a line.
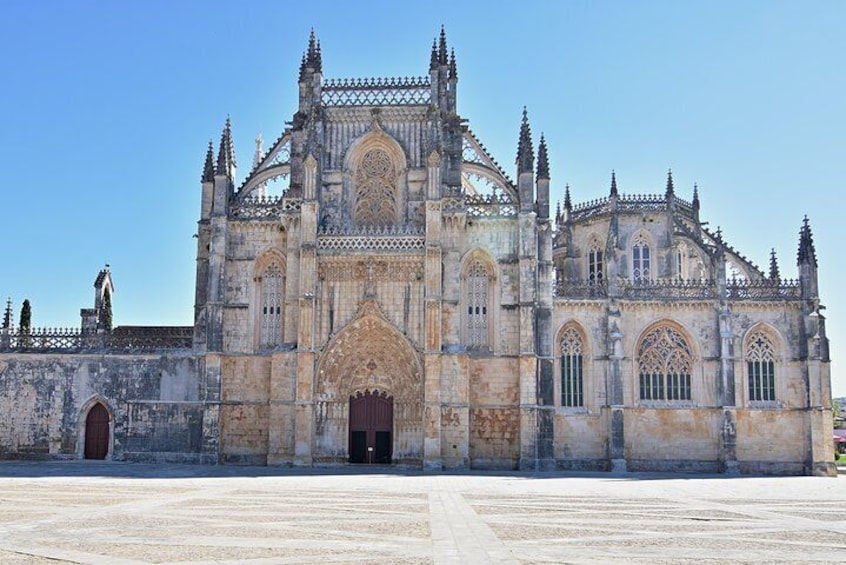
pixel 26 317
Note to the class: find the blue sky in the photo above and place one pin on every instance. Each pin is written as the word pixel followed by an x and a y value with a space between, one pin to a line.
pixel 108 107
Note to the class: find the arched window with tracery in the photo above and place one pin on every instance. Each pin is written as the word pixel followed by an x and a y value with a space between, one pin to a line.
pixel 595 264
pixel 478 307
pixel 572 382
pixel 665 362
pixel 270 305
pixel 375 190
pixel 640 259
pixel 760 364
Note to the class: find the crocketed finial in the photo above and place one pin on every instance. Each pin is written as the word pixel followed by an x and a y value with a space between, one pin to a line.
pixel 807 252
pixel 7 315
pixel 442 48
pixel 525 149
pixel 774 274
pixel 208 167
pixel 433 59
pixel 568 205
pixel 543 159
pixel 670 189
pixel 226 151
pixel 695 196
pixel 613 183
pixel 453 68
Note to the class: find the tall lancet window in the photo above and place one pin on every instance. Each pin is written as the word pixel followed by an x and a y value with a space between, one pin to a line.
pixel 571 368
pixel 640 259
pixel 760 362
pixel 665 362
pixel 478 291
pixel 375 181
pixel 595 264
pixel 272 291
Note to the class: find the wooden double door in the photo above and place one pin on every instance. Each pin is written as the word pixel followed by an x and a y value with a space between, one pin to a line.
pixel 371 428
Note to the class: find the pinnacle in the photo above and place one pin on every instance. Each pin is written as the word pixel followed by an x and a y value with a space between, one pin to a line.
pixel 442 48
pixel 453 68
pixel 208 167
pixel 670 189
pixel 568 205
pixel 525 150
pixel 613 183
pixel 543 159
pixel 695 196
pixel 774 274
pixel 807 251
pixel 433 58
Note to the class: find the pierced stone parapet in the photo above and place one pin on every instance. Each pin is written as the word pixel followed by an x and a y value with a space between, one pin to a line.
pixel 490 205
pixel 368 239
pixel 763 289
pixel 257 207
pixel 571 288
pixel 377 92
pixel 128 338
pixel 668 289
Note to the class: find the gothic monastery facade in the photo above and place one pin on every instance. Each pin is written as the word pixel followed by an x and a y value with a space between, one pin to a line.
pixel 378 290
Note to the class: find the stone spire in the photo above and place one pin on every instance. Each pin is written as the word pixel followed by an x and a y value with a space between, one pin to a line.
pixel 7 315
pixel 807 253
pixel 557 212
pixel 568 205
pixel 443 55
pixel 543 160
pixel 226 152
pixel 208 168
pixel 670 190
pixel 613 183
pixel 525 150
pixel 774 274
pixel 695 197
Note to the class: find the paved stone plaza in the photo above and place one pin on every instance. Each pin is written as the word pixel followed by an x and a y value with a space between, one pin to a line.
pixel 112 513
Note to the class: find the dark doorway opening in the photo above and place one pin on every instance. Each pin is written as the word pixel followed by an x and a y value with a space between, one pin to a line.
pixel 371 426
pixel 97 432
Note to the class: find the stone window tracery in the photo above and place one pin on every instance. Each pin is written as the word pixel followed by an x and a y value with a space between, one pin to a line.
pixel 640 259
pixel 272 291
pixel 665 362
pixel 572 390
pixel 375 182
pixel 595 264
pixel 760 362
pixel 478 292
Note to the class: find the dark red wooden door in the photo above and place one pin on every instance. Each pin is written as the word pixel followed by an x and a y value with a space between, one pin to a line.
pixel 97 433
pixel 371 427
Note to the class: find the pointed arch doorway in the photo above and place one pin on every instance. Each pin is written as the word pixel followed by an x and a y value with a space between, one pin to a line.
pixel 371 427
pixel 97 432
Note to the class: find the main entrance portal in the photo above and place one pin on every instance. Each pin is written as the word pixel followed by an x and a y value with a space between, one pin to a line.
pixel 371 427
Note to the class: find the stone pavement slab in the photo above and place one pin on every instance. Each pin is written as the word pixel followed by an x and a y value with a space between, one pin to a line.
pixel 113 513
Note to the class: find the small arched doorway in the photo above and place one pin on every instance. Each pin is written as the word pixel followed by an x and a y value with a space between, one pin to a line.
pixel 97 432
pixel 371 427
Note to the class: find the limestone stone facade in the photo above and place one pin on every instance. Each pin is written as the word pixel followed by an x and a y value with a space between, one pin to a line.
pixel 378 289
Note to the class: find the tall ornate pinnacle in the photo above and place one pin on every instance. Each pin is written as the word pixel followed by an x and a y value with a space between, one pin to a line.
pixel 433 59
pixel 442 48
pixel 543 160
pixel 558 212
pixel 453 68
pixel 807 252
pixel 568 205
pixel 525 149
pixel 613 183
pixel 774 274
pixel 313 59
pixel 695 197
pixel 670 190
pixel 226 151
pixel 7 315
pixel 208 168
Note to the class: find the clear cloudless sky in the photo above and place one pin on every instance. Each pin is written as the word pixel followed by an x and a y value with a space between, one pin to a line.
pixel 108 108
